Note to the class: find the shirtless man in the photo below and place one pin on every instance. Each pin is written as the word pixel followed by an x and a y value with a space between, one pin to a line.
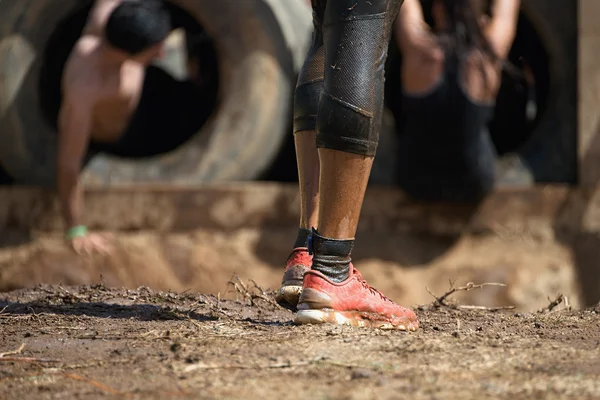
pixel 102 85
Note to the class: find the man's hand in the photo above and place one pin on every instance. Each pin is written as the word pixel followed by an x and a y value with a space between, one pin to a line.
pixel 88 243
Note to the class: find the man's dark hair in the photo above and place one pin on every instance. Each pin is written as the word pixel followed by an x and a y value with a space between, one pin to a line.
pixel 135 26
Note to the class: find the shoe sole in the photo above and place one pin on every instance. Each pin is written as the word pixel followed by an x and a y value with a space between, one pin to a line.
pixel 353 318
pixel 287 296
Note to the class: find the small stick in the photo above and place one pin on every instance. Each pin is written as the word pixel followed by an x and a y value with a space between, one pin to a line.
pixel 76 296
pixel 194 322
pixel 441 301
pixel 487 308
pixel 469 286
pixel 27 359
pixel 244 290
pixel 94 383
pixel 13 352
pixel 553 303
pixel 241 366
pixel 317 360
pixel 264 295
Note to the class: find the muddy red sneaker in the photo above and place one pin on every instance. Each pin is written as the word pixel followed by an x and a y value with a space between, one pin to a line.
pixel 352 302
pixel 297 264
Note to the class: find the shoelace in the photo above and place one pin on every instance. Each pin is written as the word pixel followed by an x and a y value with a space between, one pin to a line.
pixel 371 288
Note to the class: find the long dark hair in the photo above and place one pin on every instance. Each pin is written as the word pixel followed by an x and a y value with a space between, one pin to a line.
pixel 463 32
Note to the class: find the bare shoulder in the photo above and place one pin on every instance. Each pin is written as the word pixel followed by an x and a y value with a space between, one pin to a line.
pixel 80 68
pixel 85 45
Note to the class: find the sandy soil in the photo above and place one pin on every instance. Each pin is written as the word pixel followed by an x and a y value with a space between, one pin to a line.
pixel 91 341
pixel 402 266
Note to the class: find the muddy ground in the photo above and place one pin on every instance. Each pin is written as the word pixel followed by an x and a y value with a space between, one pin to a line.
pixel 88 342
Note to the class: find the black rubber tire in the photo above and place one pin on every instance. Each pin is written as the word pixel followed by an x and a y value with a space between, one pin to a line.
pixel 551 152
pixel 257 64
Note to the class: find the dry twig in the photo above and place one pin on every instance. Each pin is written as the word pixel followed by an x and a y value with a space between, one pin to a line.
pixel 99 385
pixel 553 303
pixel 96 363
pixel 196 367
pixel 13 352
pixel 196 323
pixel 28 360
pixel 72 295
pixel 466 307
pixel 252 293
pixel 441 301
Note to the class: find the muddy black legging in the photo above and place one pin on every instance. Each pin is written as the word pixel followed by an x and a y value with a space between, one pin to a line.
pixel 340 88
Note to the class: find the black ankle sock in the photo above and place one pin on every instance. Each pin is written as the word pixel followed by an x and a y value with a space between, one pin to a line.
pixel 331 257
pixel 302 238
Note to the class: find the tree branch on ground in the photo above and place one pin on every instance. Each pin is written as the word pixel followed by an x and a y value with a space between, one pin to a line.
pixel 443 300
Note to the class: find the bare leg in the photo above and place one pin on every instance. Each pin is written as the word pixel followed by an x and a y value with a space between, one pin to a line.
pixel 344 178
pixel 308 178
pixel 300 260
pixel 306 103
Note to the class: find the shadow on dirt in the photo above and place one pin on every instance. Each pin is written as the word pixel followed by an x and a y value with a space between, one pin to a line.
pixel 143 304
pixel 577 226
pixel 14 238
pixel 140 312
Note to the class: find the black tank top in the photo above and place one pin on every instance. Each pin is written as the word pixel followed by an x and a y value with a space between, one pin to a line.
pixel 446 152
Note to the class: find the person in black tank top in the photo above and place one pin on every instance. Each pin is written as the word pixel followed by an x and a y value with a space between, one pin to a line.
pixel 450 78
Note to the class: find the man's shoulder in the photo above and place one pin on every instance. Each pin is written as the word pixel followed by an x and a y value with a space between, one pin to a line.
pixel 81 62
pixel 86 44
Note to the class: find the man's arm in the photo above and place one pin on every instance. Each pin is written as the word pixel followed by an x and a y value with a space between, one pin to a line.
pixel 502 27
pixel 73 139
pixel 99 16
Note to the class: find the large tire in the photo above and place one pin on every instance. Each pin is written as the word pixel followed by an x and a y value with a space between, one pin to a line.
pixel 551 152
pixel 257 62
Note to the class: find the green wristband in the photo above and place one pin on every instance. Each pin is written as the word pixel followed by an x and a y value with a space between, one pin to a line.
pixel 77 231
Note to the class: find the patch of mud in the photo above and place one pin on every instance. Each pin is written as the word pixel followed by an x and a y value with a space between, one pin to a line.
pixel 92 341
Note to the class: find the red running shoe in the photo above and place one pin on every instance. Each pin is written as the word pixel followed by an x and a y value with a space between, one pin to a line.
pixel 352 302
pixel 297 264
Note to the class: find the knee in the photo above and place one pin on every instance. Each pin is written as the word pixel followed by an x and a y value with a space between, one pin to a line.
pixel 351 105
pixel 344 127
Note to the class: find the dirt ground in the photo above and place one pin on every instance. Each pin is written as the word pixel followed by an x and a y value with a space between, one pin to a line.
pixel 91 341
pixel 402 266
